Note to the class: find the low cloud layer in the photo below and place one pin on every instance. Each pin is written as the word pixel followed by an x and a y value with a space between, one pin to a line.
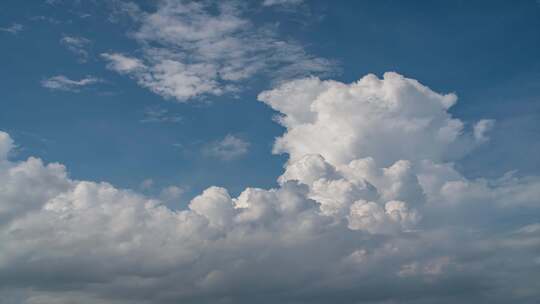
pixel 193 48
pixel 370 209
pixel 281 2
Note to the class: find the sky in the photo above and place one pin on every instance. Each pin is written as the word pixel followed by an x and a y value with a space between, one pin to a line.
pixel 272 151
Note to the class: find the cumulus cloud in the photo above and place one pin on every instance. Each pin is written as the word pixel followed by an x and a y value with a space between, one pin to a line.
pixel 76 45
pixel 228 148
pixel 370 208
pixel 195 48
pixel 63 83
pixel 387 119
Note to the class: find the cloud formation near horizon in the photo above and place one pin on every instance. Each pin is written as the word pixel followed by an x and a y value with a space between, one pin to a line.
pixel 369 208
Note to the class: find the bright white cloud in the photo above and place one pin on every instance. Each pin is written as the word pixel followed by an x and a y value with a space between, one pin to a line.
pixel 156 114
pixel 191 49
pixel 481 128
pixel 370 211
pixel 122 63
pixel 6 145
pixel 63 83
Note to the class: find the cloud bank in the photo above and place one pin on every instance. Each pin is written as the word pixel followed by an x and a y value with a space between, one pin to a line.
pixel 193 48
pixel 370 209
pixel 228 148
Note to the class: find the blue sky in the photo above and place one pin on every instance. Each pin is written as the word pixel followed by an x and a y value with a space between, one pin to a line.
pixel 249 133
pixel 486 52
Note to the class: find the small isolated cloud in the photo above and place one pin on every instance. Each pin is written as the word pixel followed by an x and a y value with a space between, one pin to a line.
pixel 154 114
pixel 63 83
pixel 281 2
pixel 230 147
pixel 122 63
pixel 14 29
pixel 481 128
pixel 77 45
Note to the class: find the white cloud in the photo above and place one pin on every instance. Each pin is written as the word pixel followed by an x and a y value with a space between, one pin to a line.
pixel 191 49
pixel 356 217
pixel 62 83
pixel 77 45
pixel 122 63
pixel 228 148
pixel 481 128
pixel 14 29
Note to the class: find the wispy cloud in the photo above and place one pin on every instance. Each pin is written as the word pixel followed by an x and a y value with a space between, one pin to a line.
pixel 228 148
pixel 63 83
pixel 77 45
pixel 156 114
pixel 14 28
pixel 193 48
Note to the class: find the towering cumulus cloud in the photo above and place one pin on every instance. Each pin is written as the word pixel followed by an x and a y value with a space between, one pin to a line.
pixel 369 209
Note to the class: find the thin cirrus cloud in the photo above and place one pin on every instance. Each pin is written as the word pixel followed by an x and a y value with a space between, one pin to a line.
pixel 370 208
pixel 63 83
pixel 192 49
pixel 14 28
pixel 77 45
pixel 228 148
